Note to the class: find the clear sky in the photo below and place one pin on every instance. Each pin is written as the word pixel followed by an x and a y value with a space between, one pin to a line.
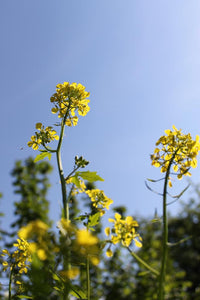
pixel 140 60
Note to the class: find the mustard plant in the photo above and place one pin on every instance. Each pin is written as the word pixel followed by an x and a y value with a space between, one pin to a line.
pixel 175 154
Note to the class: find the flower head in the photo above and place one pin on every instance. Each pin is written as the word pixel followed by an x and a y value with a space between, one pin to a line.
pixel 99 200
pixel 44 136
pixel 177 149
pixel 124 231
pixel 87 245
pixel 69 99
pixel 18 260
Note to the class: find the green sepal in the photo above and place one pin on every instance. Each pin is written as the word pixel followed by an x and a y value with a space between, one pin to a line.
pixel 42 156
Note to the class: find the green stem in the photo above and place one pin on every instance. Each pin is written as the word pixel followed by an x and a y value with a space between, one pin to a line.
pixel 60 169
pixel 10 285
pixel 67 264
pixel 142 262
pixel 88 278
pixel 161 291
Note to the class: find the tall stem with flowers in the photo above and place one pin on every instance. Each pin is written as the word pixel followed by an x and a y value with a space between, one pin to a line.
pixel 176 151
pixel 175 154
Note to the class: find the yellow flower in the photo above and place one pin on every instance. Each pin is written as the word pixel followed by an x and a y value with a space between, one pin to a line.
pixel 69 99
pixel 99 199
pixel 41 254
pixel 85 238
pixel 43 137
pixel 65 227
pixel 178 150
pixel 71 273
pixel 109 252
pixel 36 227
pixel 18 260
pixel 87 245
pixel 124 231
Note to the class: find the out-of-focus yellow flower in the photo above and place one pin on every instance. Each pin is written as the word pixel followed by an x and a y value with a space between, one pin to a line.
pixel 43 137
pixel 33 228
pixel 87 245
pixel 71 273
pixel 69 99
pixel 99 200
pixel 36 231
pixel 65 227
pixel 109 252
pixel 124 231
pixel 178 150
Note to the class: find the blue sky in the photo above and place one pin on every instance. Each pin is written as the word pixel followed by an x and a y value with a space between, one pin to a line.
pixel 139 60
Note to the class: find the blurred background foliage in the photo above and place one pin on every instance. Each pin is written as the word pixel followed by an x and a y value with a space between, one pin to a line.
pixel 118 277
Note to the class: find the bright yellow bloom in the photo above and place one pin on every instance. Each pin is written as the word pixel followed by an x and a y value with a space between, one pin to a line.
pixel 75 190
pixel 109 252
pixel 85 238
pixel 99 200
pixel 43 137
pixel 124 231
pixel 69 99
pixel 87 245
pixel 178 150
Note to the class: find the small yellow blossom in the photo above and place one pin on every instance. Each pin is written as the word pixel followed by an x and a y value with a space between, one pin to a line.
pixel 109 252
pixel 18 260
pixel 36 227
pixel 36 230
pixel 71 273
pixel 124 231
pixel 178 150
pixel 99 200
pixel 43 137
pixel 87 245
pixel 69 99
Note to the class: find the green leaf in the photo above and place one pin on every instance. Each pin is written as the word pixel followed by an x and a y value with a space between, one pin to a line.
pixel 89 176
pixel 55 277
pixel 57 289
pixel 76 181
pixel 94 219
pixel 77 292
pixel 42 156
pixel 143 273
pixel 23 296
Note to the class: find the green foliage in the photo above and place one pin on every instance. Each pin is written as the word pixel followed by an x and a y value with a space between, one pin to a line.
pixel 42 155
pixel 31 184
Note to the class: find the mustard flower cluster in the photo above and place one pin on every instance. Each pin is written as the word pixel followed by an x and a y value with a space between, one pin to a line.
pixel 81 188
pixel 68 99
pixel 36 230
pixel 123 231
pixel 177 149
pixel 81 241
pixel 88 245
pixel 99 200
pixel 43 137
pixel 18 261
